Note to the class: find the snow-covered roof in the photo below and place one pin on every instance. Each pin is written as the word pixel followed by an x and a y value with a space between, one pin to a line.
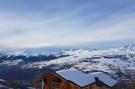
pixel 83 79
pixel 77 77
pixel 106 79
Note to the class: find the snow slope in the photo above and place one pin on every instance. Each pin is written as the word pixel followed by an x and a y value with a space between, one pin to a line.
pixel 3 86
pixel 119 62
pixel 101 60
pixel 109 60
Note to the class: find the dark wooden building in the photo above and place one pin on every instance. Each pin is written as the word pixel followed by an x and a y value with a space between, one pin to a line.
pixel 74 79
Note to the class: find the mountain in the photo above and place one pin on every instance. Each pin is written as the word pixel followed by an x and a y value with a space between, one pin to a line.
pixel 118 62
pixel 88 60
pixel 105 60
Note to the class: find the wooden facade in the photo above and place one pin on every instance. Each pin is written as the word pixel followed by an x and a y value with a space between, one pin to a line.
pixel 55 81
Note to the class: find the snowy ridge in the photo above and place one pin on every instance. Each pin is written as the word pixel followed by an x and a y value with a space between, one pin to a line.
pixel 25 51
pixel 44 51
pixel 87 60
pixel 118 62
pixel 104 60
pixel 11 62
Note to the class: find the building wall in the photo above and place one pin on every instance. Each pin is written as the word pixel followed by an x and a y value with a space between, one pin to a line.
pixel 52 78
pixel 72 86
pixel 94 86
pixel 66 84
pixel 49 79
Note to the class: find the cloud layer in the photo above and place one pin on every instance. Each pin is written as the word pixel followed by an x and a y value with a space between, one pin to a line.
pixel 46 23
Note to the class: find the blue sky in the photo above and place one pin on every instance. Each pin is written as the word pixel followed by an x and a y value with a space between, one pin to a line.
pixel 43 23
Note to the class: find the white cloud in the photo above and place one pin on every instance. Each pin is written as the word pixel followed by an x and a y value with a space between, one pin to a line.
pixel 65 29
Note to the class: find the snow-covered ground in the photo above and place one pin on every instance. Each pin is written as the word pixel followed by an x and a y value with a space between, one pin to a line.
pixel 2 86
pixel 11 62
pixel 102 60
pixel 86 60
pixel 119 62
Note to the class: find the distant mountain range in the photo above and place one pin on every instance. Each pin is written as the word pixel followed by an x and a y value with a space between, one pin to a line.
pixel 122 57
pixel 119 62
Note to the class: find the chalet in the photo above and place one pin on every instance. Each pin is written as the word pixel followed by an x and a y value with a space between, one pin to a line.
pixel 74 79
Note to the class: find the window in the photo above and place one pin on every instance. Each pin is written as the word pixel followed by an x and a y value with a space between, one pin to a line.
pixel 55 85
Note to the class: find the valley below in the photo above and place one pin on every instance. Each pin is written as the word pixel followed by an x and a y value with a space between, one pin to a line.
pixel 19 68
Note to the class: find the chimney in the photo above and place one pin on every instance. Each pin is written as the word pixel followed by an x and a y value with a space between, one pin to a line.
pixel 98 82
